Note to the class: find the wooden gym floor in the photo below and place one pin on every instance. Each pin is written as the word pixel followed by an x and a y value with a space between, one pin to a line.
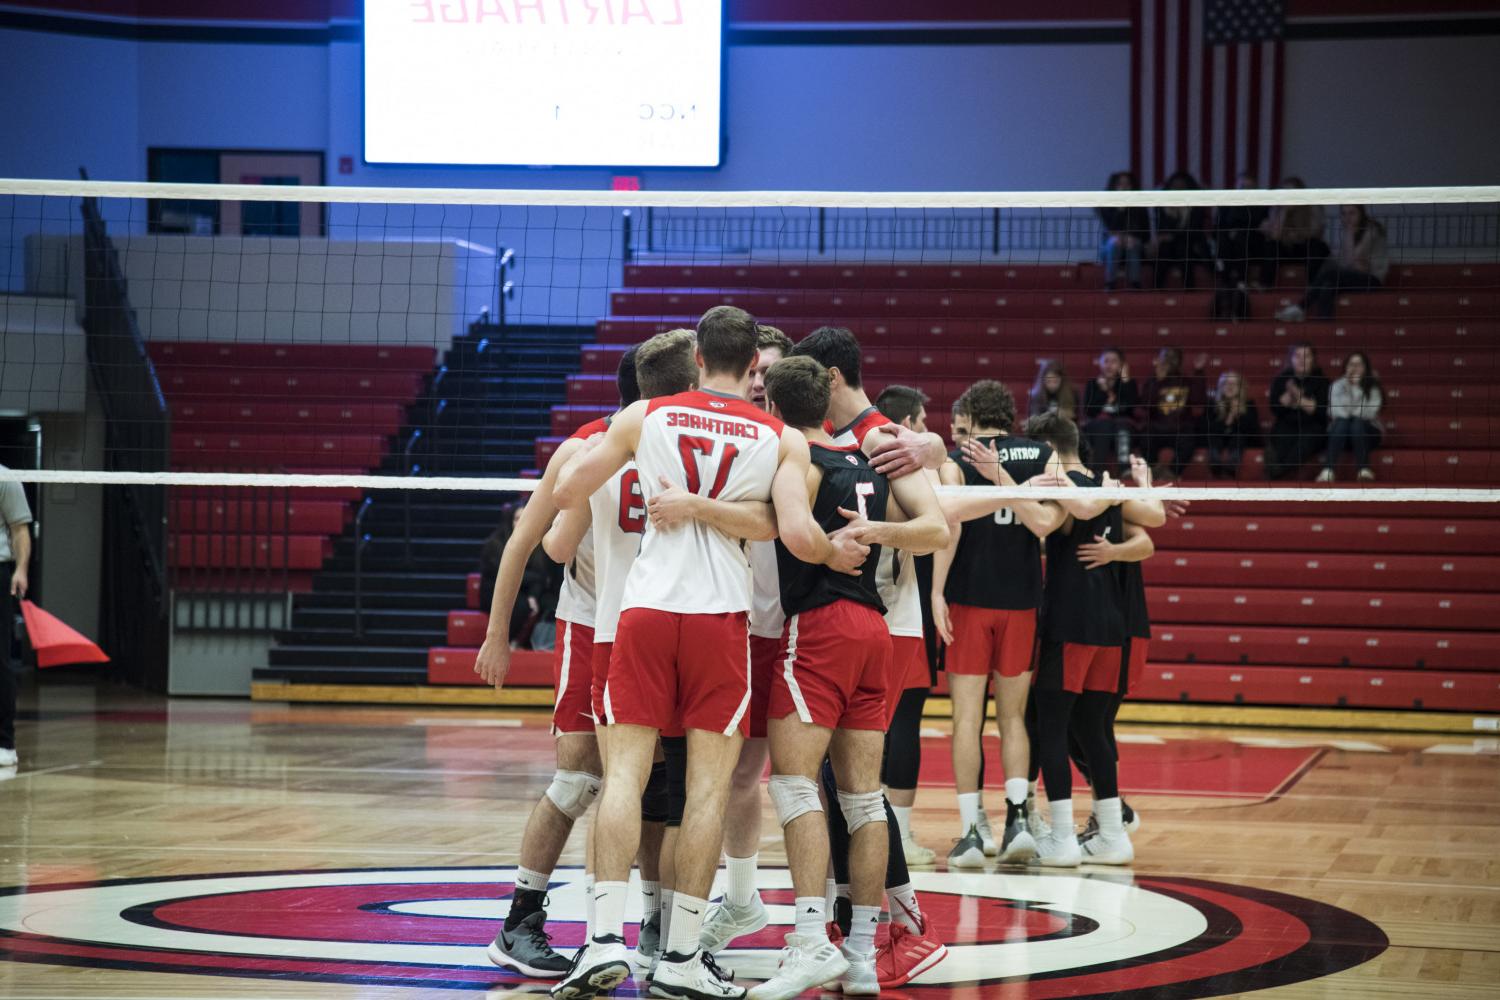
pixel 156 848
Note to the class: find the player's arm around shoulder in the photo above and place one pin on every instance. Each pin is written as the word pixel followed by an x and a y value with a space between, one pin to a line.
pixel 752 520
pixel 925 529
pixel 602 458
pixel 794 521
pixel 567 533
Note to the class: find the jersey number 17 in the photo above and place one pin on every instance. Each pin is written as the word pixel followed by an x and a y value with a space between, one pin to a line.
pixel 690 447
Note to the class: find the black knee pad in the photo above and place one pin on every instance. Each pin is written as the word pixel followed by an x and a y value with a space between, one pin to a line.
pixel 674 749
pixel 654 798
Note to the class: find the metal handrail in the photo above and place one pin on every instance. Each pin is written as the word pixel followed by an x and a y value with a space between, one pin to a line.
pixel 360 538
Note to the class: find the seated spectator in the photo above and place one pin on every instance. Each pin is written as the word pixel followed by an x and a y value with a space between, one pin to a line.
pixel 1361 266
pixel 1172 404
pixel 1109 412
pixel 1353 417
pixel 1052 392
pixel 1126 233
pixel 1294 233
pixel 1181 234
pixel 1299 409
pixel 539 583
pixel 1230 425
pixel 1241 254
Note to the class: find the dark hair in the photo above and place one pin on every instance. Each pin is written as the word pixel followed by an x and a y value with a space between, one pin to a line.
pixel 833 347
pixel 1188 181
pixel 1174 360
pixel 799 388
pixel 727 337
pixel 1117 352
pixel 768 337
pixel 625 380
pixel 898 402
pixel 1056 430
pixel 1066 398
pixel 665 366
pixel 1135 182
pixel 990 404
pixel 1371 381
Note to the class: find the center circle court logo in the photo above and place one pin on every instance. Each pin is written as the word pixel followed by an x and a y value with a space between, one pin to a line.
pixel 1060 934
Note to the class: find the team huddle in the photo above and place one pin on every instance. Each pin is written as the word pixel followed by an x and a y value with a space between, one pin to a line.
pixel 741 541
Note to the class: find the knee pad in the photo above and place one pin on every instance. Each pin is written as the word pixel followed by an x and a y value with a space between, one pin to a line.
pixel 674 749
pixel 654 798
pixel 793 796
pixel 861 808
pixel 573 792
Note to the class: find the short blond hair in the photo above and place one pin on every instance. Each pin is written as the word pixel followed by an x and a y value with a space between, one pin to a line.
pixel 665 365
pixel 768 337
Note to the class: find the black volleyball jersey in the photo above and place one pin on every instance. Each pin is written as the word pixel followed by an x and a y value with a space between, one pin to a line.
pixel 1133 594
pixel 850 483
pixel 998 561
pixel 1081 605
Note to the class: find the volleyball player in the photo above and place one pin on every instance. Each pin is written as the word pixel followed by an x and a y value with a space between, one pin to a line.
pixel 986 589
pixel 681 648
pixel 832 695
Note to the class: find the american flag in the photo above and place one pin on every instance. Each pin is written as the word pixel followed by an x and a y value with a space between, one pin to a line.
pixel 1206 89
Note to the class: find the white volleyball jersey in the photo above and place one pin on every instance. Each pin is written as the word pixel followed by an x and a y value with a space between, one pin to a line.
pixel 575 601
pixel 717 446
pixel 766 615
pixel 619 520
pixel 896 573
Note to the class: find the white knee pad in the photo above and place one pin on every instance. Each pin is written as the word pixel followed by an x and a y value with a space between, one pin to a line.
pixel 793 795
pixel 573 792
pixel 860 808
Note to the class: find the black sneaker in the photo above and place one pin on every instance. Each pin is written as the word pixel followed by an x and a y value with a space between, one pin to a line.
pixel 528 950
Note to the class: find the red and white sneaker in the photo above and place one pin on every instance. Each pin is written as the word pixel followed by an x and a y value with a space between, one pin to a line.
pixel 906 954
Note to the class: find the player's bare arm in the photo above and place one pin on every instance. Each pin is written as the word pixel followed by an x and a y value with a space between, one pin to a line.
pixel 1137 546
pixel 567 533
pixel 914 522
pixel 1082 509
pixel 797 529
pixel 493 660
pixel 1041 517
pixel 904 452
pixel 1147 513
pixel 752 520
pixel 578 481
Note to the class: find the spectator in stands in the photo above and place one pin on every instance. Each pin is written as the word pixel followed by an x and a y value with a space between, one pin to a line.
pixel 1052 392
pixel 1231 424
pixel 1172 404
pixel 1126 233
pixel 1353 417
pixel 1109 411
pixel 1294 233
pixel 1361 265
pixel 1299 408
pixel 539 584
pixel 1240 246
pixel 1181 233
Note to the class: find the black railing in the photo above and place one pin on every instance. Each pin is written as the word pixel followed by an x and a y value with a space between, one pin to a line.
pixel 134 623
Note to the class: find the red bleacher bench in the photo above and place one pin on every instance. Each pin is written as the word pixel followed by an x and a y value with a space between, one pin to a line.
pixel 567 419
pixel 269 384
pixel 1328 647
pixel 299 517
pixel 1324 571
pixel 472 591
pixel 450 665
pixel 352 357
pixel 219 448
pixel 467 628
pixel 1331 687
pixel 241 552
pixel 1329 531
pixel 1310 607
pixel 315 418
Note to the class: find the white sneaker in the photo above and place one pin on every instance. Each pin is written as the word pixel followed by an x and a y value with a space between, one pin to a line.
pixel 1058 849
pixel 1367 475
pixel 699 978
pixel 597 968
pixel 862 980
pixel 805 963
pixel 1115 849
pixel 1019 846
pixel 986 835
pixel 968 852
pixel 8 758
pixel 916 854
pixel 1291 314
pixel 1036 823
pixel 1326 476
pixel 726 922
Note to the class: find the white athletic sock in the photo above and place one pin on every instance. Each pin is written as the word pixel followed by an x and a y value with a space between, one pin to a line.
pixel 968 810
pixel 588 905
pixel 1015 790
pixel 650 899
pixel 904 907
pixel 609 909
pixel 812 918
pixel 667 895
pixel 1061 811
pixel 862 930
pixel 830 893
pixel 528 879
pixel 903 820
pixel 687 921
pixel 1110 816
pixel 740 889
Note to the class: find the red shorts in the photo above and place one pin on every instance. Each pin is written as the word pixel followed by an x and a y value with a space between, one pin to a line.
pixel 1074 667
pixel 670 669
pixel 765 655
pixel 600 671
pixel 572 677
pixel 835 668
pixel 990 640
pixel 1133 666
pixel 908 670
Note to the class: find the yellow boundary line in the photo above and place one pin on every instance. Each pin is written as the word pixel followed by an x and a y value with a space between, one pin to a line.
pixel 1170 713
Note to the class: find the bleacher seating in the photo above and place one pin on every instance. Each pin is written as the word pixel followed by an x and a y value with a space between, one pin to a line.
pixel 238 407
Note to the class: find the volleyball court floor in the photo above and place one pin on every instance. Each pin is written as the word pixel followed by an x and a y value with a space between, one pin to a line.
pixel 155 848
